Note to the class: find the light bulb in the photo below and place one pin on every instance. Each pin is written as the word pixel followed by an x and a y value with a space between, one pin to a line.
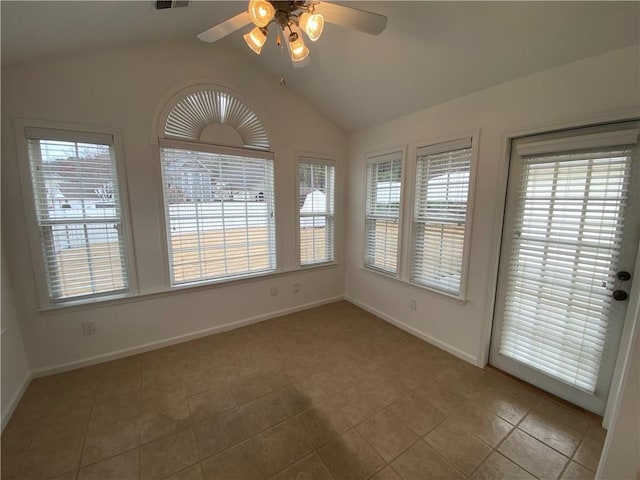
pixel 298 49
pixel 261 12
pixel 255 39
pixel 312 24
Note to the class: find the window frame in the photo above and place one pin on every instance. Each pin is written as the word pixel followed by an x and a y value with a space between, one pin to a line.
pixel 445 141
pixel 79 133
pixel 372 158
pixel 315 159
pixel 216 150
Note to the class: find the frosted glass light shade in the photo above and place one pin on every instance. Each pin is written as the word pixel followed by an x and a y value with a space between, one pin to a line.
pixel 299 51
pixel 261 12
pixel 255 39
pixel 312 25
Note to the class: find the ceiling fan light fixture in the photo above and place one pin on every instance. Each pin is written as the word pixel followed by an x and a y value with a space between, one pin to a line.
pixel 299 50
pixel 312 24
pixel 261 12
pixel 256 39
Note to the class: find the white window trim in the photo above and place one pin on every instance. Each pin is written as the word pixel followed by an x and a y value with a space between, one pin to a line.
pixel 222 150
pixel 439 145
pixel 33 232
pixel 371 158
pixel 319 159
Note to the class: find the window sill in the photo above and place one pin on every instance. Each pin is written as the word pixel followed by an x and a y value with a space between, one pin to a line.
pixel 110 300
pixel 418 287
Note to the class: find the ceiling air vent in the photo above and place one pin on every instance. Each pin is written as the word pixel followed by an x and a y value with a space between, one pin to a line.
pixel 166 4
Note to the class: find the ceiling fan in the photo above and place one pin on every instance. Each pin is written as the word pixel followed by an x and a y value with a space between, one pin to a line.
pixel 292 18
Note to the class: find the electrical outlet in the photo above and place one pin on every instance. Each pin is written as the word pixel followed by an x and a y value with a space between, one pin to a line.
pixel 412 303
pixel 296 287
pixel 88 328
pixel 274 291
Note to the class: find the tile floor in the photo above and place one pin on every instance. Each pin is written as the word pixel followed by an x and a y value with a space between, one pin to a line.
pixel 329 393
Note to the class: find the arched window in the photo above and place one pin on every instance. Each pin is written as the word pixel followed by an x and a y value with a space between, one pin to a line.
pixel 217 174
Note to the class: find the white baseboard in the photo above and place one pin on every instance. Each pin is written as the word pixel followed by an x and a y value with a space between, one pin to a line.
pixel 177 339
pixel 15 400
pixel 417 333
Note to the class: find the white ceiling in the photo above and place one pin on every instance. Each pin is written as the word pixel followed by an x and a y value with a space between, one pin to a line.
pixel 431 52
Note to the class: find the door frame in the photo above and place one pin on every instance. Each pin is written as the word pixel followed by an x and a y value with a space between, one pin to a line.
pixel 632 322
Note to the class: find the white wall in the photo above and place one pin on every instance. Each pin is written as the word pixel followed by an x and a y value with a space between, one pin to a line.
pixel 15 367
pixel 605 86
pixel 125 88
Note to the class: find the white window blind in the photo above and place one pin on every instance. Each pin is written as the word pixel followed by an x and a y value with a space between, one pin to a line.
pixel 316 202
pixel 440 215
pixel 78 212
pixel 383 197
pixel 567 233
pixel 219 214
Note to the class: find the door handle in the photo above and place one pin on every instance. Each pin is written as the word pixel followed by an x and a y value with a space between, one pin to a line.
pixel 623 276
pixel 620 295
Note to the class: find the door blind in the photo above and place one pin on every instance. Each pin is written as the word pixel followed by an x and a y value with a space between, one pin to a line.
pixel 383 195
pixel 316 204
pixel 565 244
pixel 219 214
pixel 78 213
pixel 440 217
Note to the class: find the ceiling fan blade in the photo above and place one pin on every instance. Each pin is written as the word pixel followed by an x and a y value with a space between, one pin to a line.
pixel 361 20
pixel 223 29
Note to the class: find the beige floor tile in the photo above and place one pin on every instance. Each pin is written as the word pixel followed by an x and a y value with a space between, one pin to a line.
pixel 48 457
pixel 210 403
pixel 589 452
pixel 218 433
pixel 266 411
pixel 282 445
pixel 121 467
pixel 114 409
pixel 421 462
pixel 194 472
pixel 168 455
pixel 503 404
pixel 442 397
pixel 127 382
pixel 417 413
pixel 387 473
pixel 249 387
pixel 497 467
pixel 563 415
pixel 159 419
pixel 240 462
pixel 110 440
pixel 323 423
pixel 68 476
pixel 333 381
pixel 162 390
pixel 485 425
pixel 387 434
pixel 451 440
pixel 204 379
pixel 386 389
pixel 532 455
pixel 356 403
pixel 349 457
pixel 68 422
pixel 309 468
pixel 575 471
pixel 558 436
pixel 596 432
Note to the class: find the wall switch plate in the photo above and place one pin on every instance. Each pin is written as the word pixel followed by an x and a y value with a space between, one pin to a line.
pixel 412 303
pixel 274 291
pixel 296 287
pixel 88 328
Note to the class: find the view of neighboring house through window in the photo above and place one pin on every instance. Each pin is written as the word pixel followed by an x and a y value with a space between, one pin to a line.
pixel 383 195
pixel 316 203
pixel 219 213
pixel 440 215
pixel 78 213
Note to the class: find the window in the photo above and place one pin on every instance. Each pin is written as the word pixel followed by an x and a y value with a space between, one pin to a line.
pixel 78 213
pixel 220 215
pixel 383 196
pixel 316 203
pixel 440 215
pixel 219 200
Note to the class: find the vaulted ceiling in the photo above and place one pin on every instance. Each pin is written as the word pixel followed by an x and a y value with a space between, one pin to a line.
pixel 430 52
